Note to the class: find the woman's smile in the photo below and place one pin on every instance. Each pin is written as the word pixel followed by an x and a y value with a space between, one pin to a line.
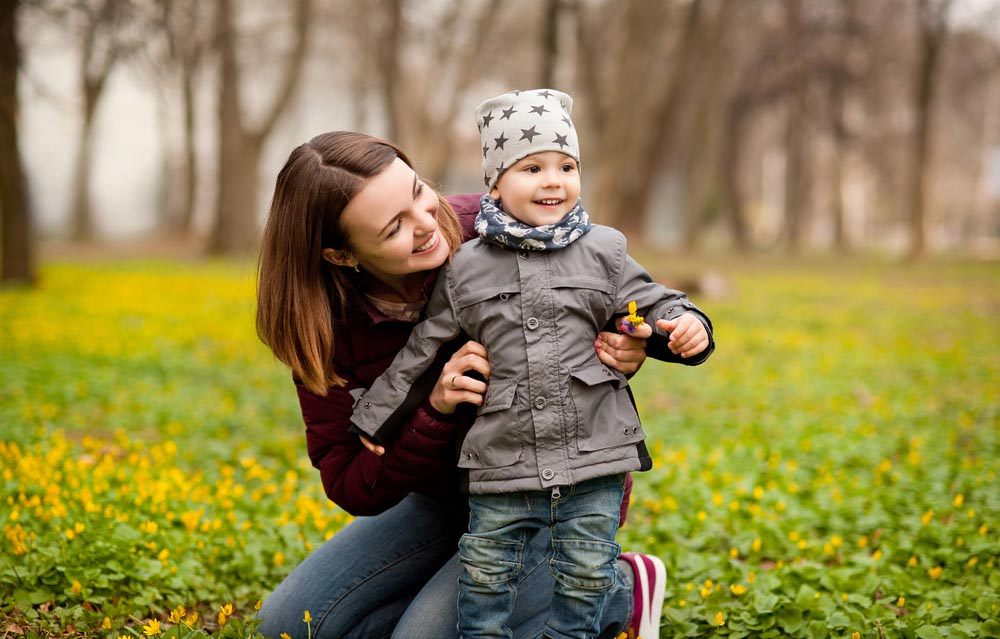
pixel 429 245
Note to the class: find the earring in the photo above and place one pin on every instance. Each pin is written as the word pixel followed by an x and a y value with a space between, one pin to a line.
pixel 356 269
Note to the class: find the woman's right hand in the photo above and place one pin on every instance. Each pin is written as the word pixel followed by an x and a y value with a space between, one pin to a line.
pixel 454 386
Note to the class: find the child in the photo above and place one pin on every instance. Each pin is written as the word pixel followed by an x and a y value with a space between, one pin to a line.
pixel 557 430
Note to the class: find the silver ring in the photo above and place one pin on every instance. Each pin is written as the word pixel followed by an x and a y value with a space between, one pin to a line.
pixel 454 386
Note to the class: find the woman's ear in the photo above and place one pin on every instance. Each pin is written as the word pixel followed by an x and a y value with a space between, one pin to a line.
pixel 339 257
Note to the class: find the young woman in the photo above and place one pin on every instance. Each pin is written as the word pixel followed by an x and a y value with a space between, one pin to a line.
pixel 350 253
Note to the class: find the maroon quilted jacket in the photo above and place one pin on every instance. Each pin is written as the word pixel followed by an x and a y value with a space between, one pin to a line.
pixel 422 459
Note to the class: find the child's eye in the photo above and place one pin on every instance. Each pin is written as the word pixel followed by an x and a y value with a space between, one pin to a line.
pixel 532 169
pixel 568 168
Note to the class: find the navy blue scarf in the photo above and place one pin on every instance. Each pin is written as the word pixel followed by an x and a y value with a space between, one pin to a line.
pixel 499 227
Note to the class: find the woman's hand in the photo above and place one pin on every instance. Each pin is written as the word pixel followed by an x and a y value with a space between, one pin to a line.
pixel 454 386
pixel 624 352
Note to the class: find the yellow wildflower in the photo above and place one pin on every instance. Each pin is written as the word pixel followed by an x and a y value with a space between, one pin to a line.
pixel 756 545
pixel 855 635
pixel 106 624
pixel 152 628
pixel 901 602
pixel 307 617
pixel 959 500
pixel 738 589
pixel 76 587
pixel 720 619
pixel 257 605
pixel 285 635
pixel 633 319
pixel 177 615
pixel 935 572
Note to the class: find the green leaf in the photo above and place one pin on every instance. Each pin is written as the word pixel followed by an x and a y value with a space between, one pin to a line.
pixel 929 632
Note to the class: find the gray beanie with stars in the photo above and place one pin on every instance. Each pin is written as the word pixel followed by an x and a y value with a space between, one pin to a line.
pixel 519 123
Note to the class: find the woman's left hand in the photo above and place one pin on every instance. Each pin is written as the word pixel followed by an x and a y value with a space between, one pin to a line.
pixel 624 353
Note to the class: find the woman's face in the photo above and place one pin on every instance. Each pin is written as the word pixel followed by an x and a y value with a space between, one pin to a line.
pixel 391 225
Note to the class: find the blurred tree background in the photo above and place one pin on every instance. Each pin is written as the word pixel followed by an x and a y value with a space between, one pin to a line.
pixel 789 126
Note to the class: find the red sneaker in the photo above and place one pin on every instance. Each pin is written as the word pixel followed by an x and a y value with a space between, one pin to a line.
pixel 650 579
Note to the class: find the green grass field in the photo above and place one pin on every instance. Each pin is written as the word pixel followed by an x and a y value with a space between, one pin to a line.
pixel 832 471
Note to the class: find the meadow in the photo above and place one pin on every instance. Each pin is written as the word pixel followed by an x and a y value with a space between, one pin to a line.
pixel 832 471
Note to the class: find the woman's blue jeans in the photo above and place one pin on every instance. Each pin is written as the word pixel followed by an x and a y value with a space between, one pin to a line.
pixel 396 575
pixel 581 520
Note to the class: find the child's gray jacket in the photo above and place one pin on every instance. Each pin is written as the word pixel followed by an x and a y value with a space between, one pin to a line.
pixel 553 414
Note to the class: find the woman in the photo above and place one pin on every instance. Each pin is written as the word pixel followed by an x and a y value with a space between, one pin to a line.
pixel 350 252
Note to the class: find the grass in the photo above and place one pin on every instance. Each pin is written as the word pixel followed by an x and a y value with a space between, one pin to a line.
pixel 831 471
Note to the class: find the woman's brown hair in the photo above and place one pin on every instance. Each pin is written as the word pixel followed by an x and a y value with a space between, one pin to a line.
pixel 302 298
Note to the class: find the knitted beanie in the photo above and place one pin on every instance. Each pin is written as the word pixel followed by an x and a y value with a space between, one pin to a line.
pixel 519 123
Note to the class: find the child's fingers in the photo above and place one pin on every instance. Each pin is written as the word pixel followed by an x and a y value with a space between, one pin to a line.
pixel 377 450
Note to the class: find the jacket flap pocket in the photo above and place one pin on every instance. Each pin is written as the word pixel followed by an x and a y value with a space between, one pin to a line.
pixel 582 281
pixel 499 396
pixel 598 374
pixel 469 298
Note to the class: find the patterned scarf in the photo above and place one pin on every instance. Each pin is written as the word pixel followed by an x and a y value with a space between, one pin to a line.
pixel 499 227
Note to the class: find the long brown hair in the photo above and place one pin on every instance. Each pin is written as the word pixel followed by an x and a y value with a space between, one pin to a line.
pixel 302 298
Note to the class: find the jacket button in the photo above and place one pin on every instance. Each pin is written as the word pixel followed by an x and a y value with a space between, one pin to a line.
pixel 532 323
pixel 504 297
pixel 625 431
pixel 539 403
pixel 548 473
pixel 522 254
pixel 635 429
pixel 368 404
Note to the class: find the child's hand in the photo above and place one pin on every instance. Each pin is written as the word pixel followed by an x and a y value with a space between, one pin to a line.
pixel 688 336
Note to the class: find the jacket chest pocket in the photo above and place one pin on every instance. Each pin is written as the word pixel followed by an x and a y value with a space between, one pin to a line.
pixel 605 415
pixel 588 296
pixel 487 311
pixel 496 438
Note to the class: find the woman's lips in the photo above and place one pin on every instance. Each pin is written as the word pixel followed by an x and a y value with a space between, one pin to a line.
pixel 429 244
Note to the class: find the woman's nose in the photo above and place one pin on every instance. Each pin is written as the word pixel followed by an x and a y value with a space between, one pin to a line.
pixel 426 222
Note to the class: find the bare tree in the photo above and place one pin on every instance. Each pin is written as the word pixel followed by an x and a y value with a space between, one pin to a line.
pixel 240 144
pixel 105 38
pixel 17 263
pixel 179 22
pixel 420 113
pixel 932 18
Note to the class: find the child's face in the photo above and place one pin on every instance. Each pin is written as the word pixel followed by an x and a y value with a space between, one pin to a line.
pixel 539 189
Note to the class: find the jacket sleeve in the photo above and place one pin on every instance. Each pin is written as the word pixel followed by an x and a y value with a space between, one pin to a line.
pixel 655 301
pixel 382 410
pixel 357 480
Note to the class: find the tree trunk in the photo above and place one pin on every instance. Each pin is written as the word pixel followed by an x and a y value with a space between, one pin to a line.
pixel 735 205
pixel 16 255
pixel 839 133
pixel 185 225
pixel 932 18
pixel 235 229
pixel 82 220
pixel 549 44
pixel 797 182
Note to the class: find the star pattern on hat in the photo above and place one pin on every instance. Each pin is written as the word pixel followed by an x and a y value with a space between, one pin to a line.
pixel 545 94
pixel 508 112
pixel 540 109
pixel 560 140
pixel 487 119
pixel 529 134
pixel 500 142
pixel 486 149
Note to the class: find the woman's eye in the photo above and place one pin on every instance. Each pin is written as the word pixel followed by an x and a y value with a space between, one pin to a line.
pixel 395 229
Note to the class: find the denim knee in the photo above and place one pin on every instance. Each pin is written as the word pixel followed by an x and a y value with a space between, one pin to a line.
pixel 489 561
pixel 585 564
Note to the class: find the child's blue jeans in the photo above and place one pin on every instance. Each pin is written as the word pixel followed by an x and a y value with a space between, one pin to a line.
pixel 583 520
